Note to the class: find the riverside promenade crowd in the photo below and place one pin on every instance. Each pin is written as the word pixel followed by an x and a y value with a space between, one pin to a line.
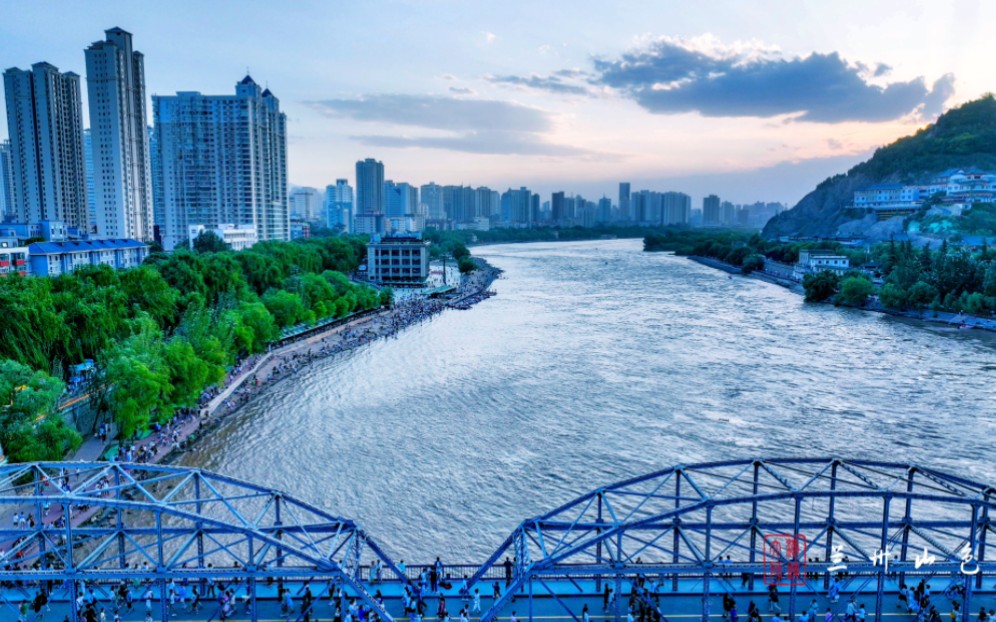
pixel 243 381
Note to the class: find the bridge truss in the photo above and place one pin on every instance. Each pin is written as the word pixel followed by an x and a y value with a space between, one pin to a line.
pixel 147 523
pixel 701 528
pixel 791 521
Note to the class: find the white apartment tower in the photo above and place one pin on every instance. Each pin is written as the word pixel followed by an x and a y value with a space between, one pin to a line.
pixel 115 77
pixel 45 122
pixel 221 159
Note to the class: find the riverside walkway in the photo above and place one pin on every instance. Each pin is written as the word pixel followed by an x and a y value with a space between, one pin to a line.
pixel 826 532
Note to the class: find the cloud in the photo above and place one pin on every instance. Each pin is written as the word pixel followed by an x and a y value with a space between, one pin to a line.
pixel 484 142
pixel 460 90
pixel 441 113
pixel 748 79
pixel 471 125
pixel 489 37
pixel 553 83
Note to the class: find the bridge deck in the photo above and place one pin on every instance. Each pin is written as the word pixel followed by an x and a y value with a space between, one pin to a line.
pixel 571 596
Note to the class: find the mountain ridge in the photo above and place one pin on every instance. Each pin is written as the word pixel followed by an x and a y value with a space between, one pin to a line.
pixel 960 138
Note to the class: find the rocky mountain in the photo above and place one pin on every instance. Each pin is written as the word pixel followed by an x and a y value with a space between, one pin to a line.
pixel 962 137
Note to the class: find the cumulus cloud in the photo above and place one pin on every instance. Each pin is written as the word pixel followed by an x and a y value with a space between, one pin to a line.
pixel 701 75
pixel 473 125
pixel 554 83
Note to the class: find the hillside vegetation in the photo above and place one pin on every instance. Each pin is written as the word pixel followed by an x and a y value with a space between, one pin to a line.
pixel 960 138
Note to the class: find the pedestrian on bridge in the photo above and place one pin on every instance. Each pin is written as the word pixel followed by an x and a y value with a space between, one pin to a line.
pixel 773 599
pixel 584 614
pixel 476 608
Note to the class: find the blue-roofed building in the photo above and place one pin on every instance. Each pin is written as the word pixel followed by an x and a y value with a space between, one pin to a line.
pixel 55 258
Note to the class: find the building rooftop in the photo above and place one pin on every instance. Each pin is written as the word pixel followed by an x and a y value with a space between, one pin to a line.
pixel 58 248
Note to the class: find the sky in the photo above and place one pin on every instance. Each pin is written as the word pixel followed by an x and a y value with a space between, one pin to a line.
pixel 754 100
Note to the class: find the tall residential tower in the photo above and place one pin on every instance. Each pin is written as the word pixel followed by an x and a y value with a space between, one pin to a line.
pixel 221 159
pixel 122 187
pixel 45 122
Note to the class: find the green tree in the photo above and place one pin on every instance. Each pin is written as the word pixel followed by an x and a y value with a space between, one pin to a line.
pixel 893 297
pixel 752 263
pixel 137 379
pixel 820 286
pixel 188 373
pixel 386 297
pixel 209 242
pixel 921 295
pixel 31 428
pixel 854 291
pixel 466 264
pixel 286 307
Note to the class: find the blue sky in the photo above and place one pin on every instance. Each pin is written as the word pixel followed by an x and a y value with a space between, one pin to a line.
pixel 751 100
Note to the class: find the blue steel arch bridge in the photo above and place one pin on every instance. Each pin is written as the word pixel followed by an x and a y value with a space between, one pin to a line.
pixel 669 543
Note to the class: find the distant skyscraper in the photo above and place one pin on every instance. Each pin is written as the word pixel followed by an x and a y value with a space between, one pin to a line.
pixel 558 207
pixel 625 213
pixel 431 195
pixel 727 213
pixel 156 174
pixel 369 187
pixel 45 122
pixel 223 160
pixel 339 205
pixel 305 203
pixel 7 209
pixel 710 210
pixel 676 209
pixel 400 199
pixel 604 212
pixel 458 203
pixel 115 76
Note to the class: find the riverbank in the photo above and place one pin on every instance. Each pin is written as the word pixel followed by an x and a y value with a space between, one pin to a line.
pixel 254 374
pixel 287 361
pixel 959 320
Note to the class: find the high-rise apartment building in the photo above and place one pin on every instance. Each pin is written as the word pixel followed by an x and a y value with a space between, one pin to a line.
pixel 339 206
pixel 710 210
pixel 45 122
pixel 370 204
pixel 91 199
pixel 115 78
pixel 305 204
pixel 400 199
pixel 558 207
pixel 458 203
pixel 222 159
pixel 7 210
pixel 625 213
pixel 369 187
pixel 604 212
pixel 676 208
pixel 431 195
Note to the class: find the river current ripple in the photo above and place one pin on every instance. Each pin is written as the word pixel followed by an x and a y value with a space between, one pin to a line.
pixel 597 362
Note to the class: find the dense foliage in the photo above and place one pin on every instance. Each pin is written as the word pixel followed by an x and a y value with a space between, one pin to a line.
pixel 162 332
pixel 28 429
pixel 962 137
pixel 946 278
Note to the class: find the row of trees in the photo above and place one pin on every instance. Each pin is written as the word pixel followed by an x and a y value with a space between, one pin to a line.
pixel 160 333
pixel 945 278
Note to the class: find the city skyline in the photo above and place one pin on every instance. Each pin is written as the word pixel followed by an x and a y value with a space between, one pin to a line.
pixel 509 99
